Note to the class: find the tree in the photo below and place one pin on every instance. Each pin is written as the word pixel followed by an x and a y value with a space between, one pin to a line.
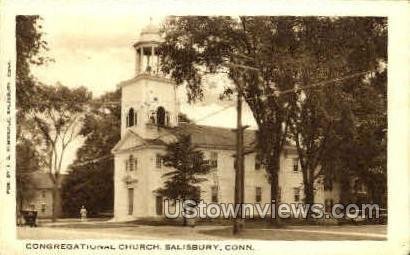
pixel 187 165
pixel 364 156
pixel 90 180
pixel 321 122
pixel 91 187
pixel 325 119
pixel 29 48
pixel 27 163
pixel 265 56
pixel 58 115
pixel 242 49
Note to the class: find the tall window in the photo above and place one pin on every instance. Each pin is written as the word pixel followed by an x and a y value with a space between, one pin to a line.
pixel 43 207
pixel 214 194
pixel 296 194
pixel 258 162
pixel 159 205
pixel 131 118
pixel 158 161
pixel 43 193
pixel 258 194
pixel 328 205
pixel 279 194
pixel 328 184
pixel 214 160
pixel 130 201
pixel 295 163
pixel 161 116
pixel 359 187
pixel 199 192
pixel 131 164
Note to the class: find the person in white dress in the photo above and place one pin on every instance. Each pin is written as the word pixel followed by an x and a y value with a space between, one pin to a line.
pixel 83 213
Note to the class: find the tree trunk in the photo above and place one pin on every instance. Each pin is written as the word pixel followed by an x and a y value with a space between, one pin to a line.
pixel 55 197
pixel 273 169
pixel 309 197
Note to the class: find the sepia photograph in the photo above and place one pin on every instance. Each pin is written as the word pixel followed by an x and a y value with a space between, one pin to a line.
pixel 200 128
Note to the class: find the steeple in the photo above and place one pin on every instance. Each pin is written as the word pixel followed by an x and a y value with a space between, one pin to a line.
pixel 149 100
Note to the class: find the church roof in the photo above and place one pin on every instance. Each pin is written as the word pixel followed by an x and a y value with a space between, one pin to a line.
pixel 214 137
pixel 206 137
pixel 149 34
pixel 150 29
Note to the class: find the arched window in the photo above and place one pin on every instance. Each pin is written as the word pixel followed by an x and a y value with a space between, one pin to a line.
pixel 161 116
pixel 131 120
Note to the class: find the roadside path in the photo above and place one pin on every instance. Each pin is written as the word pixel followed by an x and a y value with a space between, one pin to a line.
pixel 97 229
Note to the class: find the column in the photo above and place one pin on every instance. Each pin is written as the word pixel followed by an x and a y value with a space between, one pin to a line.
pixel 158 63
pixel 151 59
pixel 137 61
pixel 148 61
pixel 141 60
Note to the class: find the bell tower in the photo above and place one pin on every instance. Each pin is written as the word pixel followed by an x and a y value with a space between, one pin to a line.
pixel 149 100
pixel 146 49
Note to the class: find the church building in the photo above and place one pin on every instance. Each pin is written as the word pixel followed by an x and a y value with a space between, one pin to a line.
pixel 149 120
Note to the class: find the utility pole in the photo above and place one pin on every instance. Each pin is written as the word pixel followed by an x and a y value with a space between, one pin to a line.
pixel 239 166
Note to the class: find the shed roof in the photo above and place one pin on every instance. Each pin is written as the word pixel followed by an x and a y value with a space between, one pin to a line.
pixel 42 180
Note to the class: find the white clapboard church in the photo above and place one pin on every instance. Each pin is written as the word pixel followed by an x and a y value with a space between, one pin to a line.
pixel 149 119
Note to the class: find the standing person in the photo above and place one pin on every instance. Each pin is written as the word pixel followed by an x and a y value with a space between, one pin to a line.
pixel 83 213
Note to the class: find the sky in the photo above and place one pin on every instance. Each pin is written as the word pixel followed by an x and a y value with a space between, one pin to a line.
pixel 96 51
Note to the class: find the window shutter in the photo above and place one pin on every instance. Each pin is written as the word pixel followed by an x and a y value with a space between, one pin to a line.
pixel 293 164
pixel 257 162
pixel 131 163
pixel 258 193
pixel 214 159
pixel 158 161
pixel 296 194
pixel 214 194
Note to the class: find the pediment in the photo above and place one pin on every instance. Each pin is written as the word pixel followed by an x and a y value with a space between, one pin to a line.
pixel 168 138
pixel 129 141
